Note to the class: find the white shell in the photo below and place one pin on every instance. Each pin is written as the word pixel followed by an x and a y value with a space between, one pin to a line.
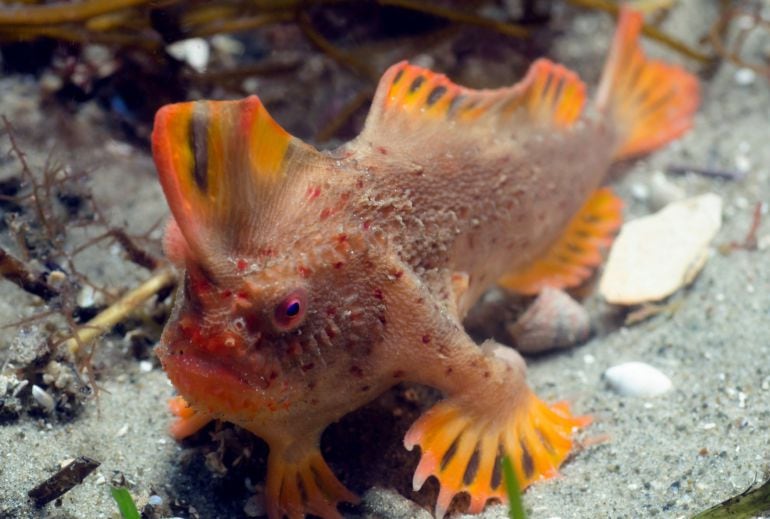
pixel 655 255
pixel 637 379
pixel 43 399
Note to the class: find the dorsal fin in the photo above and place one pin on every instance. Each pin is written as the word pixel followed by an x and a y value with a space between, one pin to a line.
pixel 410 96
pixel 222 164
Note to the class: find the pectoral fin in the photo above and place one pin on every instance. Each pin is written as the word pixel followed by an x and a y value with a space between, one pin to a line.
pixel 572 258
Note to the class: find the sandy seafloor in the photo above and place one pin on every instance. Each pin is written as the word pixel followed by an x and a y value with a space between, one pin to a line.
pixel 670 456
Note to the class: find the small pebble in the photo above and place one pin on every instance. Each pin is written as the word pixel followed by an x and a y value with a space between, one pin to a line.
pixel 155 500
pixel 255 506
pixel 709 426
pixel 193 51
pixel 122 431
pixel 742 163
pixel 86 297
pixel 145 366
pixel 663 192
pixel 42 397
pixel 20 387
pixel 637 379
pixel 227 45
pixel 744 76
pixel 640 191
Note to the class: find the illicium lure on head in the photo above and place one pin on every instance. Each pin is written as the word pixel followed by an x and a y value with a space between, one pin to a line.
pixel 315 281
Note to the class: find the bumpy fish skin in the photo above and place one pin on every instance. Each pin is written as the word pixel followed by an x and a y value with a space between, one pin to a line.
pixel 315 281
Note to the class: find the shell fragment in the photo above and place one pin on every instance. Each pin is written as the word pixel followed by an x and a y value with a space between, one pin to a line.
pixel 655 255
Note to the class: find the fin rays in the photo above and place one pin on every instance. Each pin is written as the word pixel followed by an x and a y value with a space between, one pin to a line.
pixel 413 98
pixel 221 165
pixel 465 452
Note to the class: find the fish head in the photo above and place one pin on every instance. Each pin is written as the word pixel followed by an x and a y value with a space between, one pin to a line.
pixel 275 301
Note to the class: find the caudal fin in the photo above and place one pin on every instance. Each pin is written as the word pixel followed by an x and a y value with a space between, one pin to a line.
pixel 649 102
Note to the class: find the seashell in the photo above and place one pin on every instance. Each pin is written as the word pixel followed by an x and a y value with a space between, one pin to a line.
pixel 43 398
pixel 637 379
pixel 656 255
pixel 554 320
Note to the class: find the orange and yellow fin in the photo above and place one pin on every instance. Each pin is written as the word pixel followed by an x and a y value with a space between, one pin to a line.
pixel 464 451
pixel 649 102
pixel 414 99
pixel 221 163
pixel 302 483
pixel 188 420
pixel 572 258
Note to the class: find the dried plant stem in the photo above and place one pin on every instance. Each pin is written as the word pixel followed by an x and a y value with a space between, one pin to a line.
pixel 351 107
pixel 119 310
pixel 648 30
pixel 509 29
pixel 334 52
pixel 241 24
pixel 63 12
pixel 14 271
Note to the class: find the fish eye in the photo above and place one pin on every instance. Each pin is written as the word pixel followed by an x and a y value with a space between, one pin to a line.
pixel 290 311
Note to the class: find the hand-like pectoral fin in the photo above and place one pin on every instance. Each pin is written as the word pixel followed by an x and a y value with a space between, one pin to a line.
pixel 301 483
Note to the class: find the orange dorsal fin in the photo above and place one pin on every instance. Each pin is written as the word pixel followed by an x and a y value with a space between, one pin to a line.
pixel 415 101
pixel 572 258
pixel 222 165
pixel 649 102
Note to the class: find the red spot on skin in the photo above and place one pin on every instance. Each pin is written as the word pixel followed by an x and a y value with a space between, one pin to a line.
pixel 397 274
pixel 425 339
pixel 339 265
pixel 365 388
pixel 295 349
pixel 342 238
pixel 303 271
pixel 360 183
pixel 366 225
pixel 226 294
pixel 398 373
pixel 331 310
pixel 382 150
pixel 377 294
pixel 241 265
pixel 356 371
pixel 308 367
pixel 449 371
pixel 325 213
pixel 313 192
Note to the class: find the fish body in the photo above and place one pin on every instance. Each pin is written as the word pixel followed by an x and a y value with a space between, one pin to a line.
pixel 315 281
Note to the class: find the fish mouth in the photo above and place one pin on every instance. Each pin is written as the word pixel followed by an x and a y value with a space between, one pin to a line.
pixel 214 386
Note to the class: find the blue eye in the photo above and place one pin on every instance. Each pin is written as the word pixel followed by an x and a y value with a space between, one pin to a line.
pixel 292 309
pixel 289 312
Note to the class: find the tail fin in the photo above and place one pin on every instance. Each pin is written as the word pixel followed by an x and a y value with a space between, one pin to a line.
pixel 649 102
